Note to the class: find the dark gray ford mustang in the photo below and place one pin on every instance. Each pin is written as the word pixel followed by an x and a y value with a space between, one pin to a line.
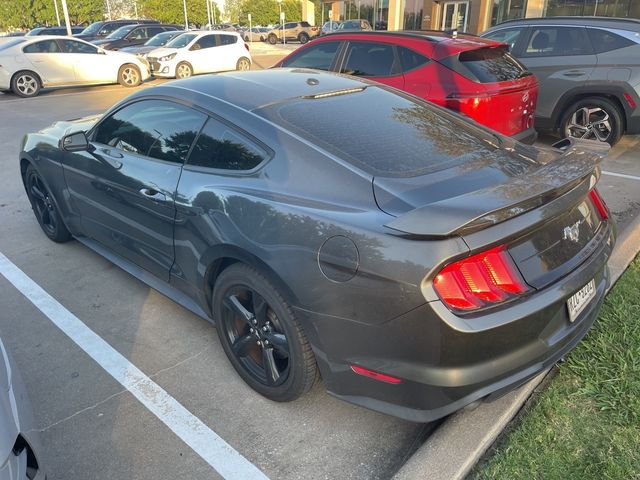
pixel 415 260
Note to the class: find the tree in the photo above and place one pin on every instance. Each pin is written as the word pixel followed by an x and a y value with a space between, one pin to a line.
pixel 33 13
pixel 266 12
pixel 172 11
pixel 232 10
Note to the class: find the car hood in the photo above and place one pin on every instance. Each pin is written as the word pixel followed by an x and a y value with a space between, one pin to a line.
pixel 63 127
pixel 162 51
pixel 488 190
pixel 139 49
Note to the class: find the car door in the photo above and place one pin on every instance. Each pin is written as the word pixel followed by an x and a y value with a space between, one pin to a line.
pixel 124 190
pixel 321 56
pixel 223 160
pixel 201 54
pixel 373 60
pixel 227 52
pixel 561 58
pixel 90 64
pixel 50 63
pixel 291 30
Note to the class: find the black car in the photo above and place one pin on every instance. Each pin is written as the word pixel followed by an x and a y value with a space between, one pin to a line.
pixel 101 29
pixel 415 260
pixel 53 31
pixel 158 40
pixel 132 35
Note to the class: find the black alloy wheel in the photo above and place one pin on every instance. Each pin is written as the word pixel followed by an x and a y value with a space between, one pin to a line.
pixel 303 38
pixel 261 336
pixel 44 208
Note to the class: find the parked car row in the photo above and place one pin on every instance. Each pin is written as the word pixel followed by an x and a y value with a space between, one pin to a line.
pixel 28 64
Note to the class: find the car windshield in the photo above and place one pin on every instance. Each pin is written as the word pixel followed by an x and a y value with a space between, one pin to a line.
pixel 34 32
pixel 92 29
pixel 181 41
pixel 160 39
pixel 383 133
pixel 11 43
pixel 121 32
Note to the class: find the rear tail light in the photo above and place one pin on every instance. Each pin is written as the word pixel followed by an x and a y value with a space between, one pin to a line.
pixel 598 202
pixel 246 46
pixel 375 375
pixel 481 280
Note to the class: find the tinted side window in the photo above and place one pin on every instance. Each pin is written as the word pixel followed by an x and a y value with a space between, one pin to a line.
pixel 220 146
pixel 290 25
pixel 318 56
pixel 604 41
pixel 45 46
pixel 152 31
pixel 207 41
pixel 228 39
pixel 506 35
pixel 366 59
pixel 72 46
pixel 558 41
pixel 410 59
pixel 110 27
pixel 137 34
pixel 153 128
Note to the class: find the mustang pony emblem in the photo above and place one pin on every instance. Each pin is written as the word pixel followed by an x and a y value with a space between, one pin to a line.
pixel 572 232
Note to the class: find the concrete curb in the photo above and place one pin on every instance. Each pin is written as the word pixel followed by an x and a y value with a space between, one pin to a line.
pixel 462 439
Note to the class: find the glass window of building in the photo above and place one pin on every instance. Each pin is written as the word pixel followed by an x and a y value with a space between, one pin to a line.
pixel 504 10
pixel 413 12
pixel 603 8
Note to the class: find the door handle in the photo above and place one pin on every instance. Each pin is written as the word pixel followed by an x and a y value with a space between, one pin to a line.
pixel 153 194
pixel 574 73
pixel 111 153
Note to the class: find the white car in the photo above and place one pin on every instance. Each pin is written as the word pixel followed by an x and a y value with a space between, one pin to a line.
pixel 28 64
pixel 200 52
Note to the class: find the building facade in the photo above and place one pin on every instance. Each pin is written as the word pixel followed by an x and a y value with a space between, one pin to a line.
pixel 472 16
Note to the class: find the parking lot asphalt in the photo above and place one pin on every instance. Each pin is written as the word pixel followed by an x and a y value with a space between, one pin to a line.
pixel 93 427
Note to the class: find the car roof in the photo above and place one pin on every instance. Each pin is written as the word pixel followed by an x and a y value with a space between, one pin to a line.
pixel 250 90
pixel 606 22
pixel 438 44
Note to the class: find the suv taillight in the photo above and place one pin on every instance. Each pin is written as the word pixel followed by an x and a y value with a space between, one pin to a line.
pixel 246 45
pixel 598 202
pixel 478 281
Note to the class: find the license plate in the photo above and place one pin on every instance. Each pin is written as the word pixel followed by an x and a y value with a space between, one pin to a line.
pixel 579 300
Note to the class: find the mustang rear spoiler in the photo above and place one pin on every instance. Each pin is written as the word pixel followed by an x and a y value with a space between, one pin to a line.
pixel 574 169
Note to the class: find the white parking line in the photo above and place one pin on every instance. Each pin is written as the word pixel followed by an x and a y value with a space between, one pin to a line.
pixel 204 441
pixel 621 175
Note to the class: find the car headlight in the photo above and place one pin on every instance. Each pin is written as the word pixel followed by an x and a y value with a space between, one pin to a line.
pixel 166 58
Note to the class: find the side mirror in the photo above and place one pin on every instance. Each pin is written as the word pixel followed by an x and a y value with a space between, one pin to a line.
pixel 75 142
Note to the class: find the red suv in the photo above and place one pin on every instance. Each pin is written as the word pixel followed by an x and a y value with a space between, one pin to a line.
pixel 468 74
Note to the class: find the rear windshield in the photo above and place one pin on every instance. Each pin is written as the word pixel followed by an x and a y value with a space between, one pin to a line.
pixel 383 133
pixel 11 43
pixel 487 65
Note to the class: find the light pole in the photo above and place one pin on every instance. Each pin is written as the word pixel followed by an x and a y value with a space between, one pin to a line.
pixel 108 9
pixel 66 16
pixel 186 20
pixel 208 13
pixel 55 4
pixel 284 40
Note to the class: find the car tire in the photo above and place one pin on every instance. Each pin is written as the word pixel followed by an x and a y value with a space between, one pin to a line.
pixel 184 70
pixel 261 38
pixel 261 336
pixel 594 118
pixel 273 39
pixel 129 76
pixel 26 84
pixel 44 208
pixel 303 38
pixel 243 64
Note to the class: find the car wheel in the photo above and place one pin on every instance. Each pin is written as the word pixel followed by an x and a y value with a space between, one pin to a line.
pixel 261 38
pixel 272 39
pixel 303 38
pixel 44 208
pixel 129 76
pixel 243 64
pixel 25 84
pixel 261 336
pixel 593 118
pixel 183 70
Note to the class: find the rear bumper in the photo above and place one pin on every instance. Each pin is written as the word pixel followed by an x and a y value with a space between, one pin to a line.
pixel 528 136
pixel 444 368
pixel 5 79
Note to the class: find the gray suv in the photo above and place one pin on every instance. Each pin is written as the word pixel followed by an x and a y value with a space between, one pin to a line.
pixel 588 69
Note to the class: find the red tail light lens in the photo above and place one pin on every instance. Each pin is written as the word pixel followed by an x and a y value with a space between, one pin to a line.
pixel 480 280
pixel 375 375
pixel 598 202
pixel 246 46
